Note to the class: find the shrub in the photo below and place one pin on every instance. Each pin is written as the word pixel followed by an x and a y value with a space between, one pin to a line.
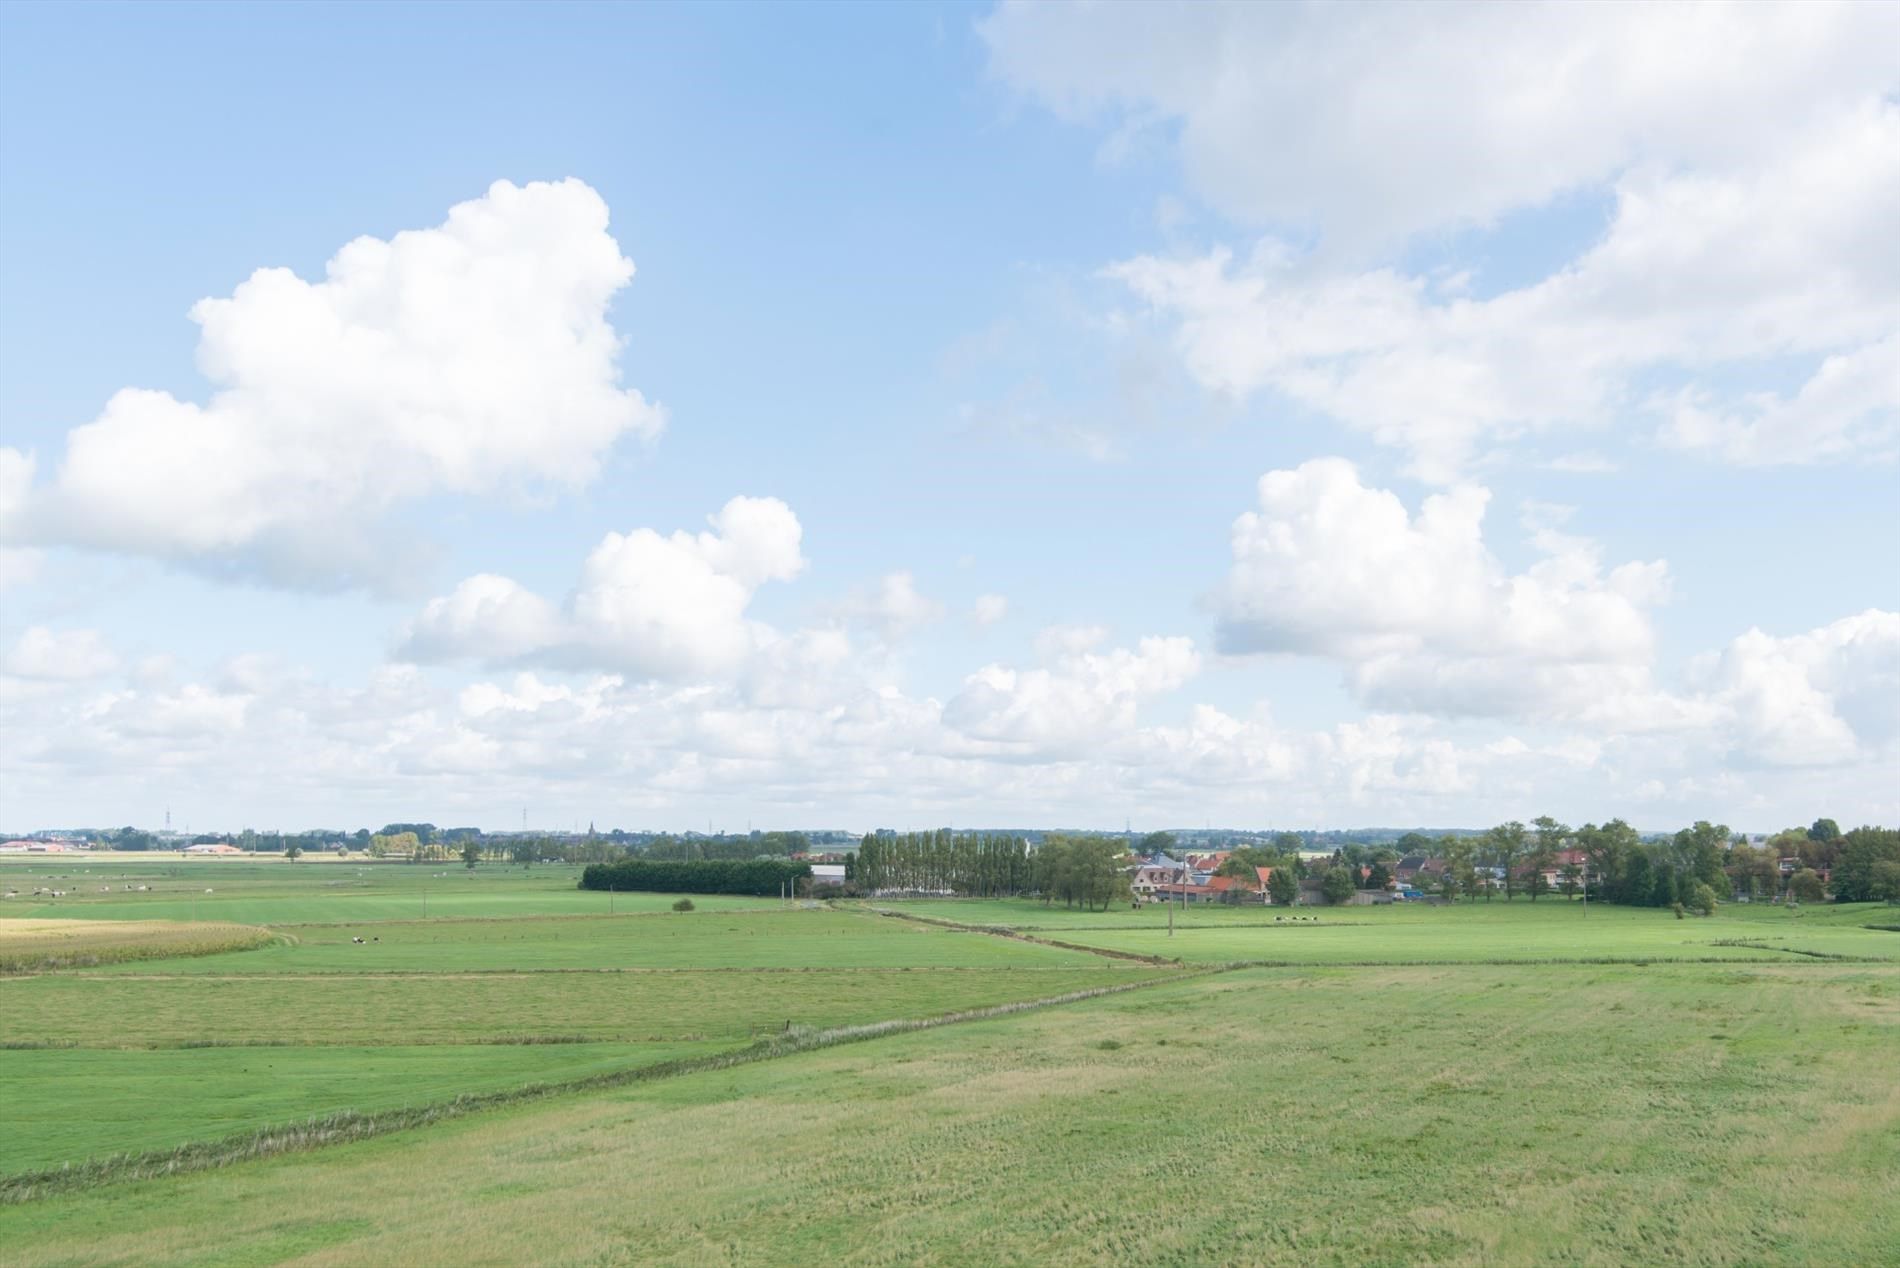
pixel 1702 899
pixel 684 904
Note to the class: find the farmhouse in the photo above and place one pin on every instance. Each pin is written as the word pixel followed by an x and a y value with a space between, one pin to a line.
pixel 1151 874
pixel 211 848
pixel 39 847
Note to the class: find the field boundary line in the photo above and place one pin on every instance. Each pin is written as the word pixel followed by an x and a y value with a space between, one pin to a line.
pixel 1004 931
pixel 351 1125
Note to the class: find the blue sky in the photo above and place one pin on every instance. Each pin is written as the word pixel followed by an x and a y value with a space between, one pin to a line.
pixel 1573 382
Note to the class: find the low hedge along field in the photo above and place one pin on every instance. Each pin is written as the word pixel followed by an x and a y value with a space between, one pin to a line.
pixel 760 877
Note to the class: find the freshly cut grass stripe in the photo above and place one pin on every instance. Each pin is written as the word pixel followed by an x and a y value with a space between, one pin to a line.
pixel 114 1011
pixel 349 1126
pixel 34 945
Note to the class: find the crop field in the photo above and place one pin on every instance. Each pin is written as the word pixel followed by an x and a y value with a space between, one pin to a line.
pixel 30 945
pixel 1487 1083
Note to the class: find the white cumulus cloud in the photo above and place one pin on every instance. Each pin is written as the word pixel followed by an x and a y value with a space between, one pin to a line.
pixel 645 604
pixel 467 358
pixel 1082 699
pixel 1420 610
pixel 67 655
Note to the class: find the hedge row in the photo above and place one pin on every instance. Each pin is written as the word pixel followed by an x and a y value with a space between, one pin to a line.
pixel 763 877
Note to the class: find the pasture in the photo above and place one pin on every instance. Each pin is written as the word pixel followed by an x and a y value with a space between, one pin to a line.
pixel 1550 930
pixel 1670 1114
pixel 366 1015
pixel 1488 1083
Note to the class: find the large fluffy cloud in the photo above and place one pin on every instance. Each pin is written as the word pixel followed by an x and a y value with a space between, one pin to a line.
pixel 1422 612
pixel 645 605
pixel 1826 696
pixel 1376 122
pixel 1750 154
pixel 1082 699
pixel 467 358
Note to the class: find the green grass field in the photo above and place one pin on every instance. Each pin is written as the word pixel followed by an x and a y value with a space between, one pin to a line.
pixel 156 1053
pixel 271 891
pixel 1468 933
pixel 1484 1084
pixel 1675 1114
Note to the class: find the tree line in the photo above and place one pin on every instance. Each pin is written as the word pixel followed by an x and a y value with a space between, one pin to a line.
pixel 1076 869
pixel 764 878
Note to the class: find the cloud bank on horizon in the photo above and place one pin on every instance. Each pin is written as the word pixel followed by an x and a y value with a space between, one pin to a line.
pixel 1398 627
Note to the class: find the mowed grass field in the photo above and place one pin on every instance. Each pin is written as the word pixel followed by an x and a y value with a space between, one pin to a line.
pixel 1489 1083
pixel 272 891
pixel 156 1053
pixel 1468 932
pixel 1614 1115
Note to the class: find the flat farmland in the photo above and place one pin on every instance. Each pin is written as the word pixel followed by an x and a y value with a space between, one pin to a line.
pixel 475 1008
pixel 1669 1114
pixel 1465 933
pixel 765 939
pixel 515 1078
pixel 31 945
pixel 323 1019
pixel 324 891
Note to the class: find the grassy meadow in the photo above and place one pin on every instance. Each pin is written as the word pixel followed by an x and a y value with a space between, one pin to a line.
pixel 1669 1114
pixel 1550 929
pixel 1482 1084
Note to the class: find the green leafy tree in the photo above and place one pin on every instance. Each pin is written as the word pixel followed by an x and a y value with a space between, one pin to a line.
pixel 1701 898
pixel 1337 885
pixel 1861 853
pixel 1380 878
pixel 1283 886
pixel 1547 840
pixel 471 854
pixel 1701 851
pixel 1806 885
pixel 1506 845
pixel 291 850
pixel 1824 830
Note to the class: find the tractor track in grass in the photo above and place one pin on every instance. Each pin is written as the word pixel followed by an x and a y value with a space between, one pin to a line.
pixel 331 975
pixel 1019 935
